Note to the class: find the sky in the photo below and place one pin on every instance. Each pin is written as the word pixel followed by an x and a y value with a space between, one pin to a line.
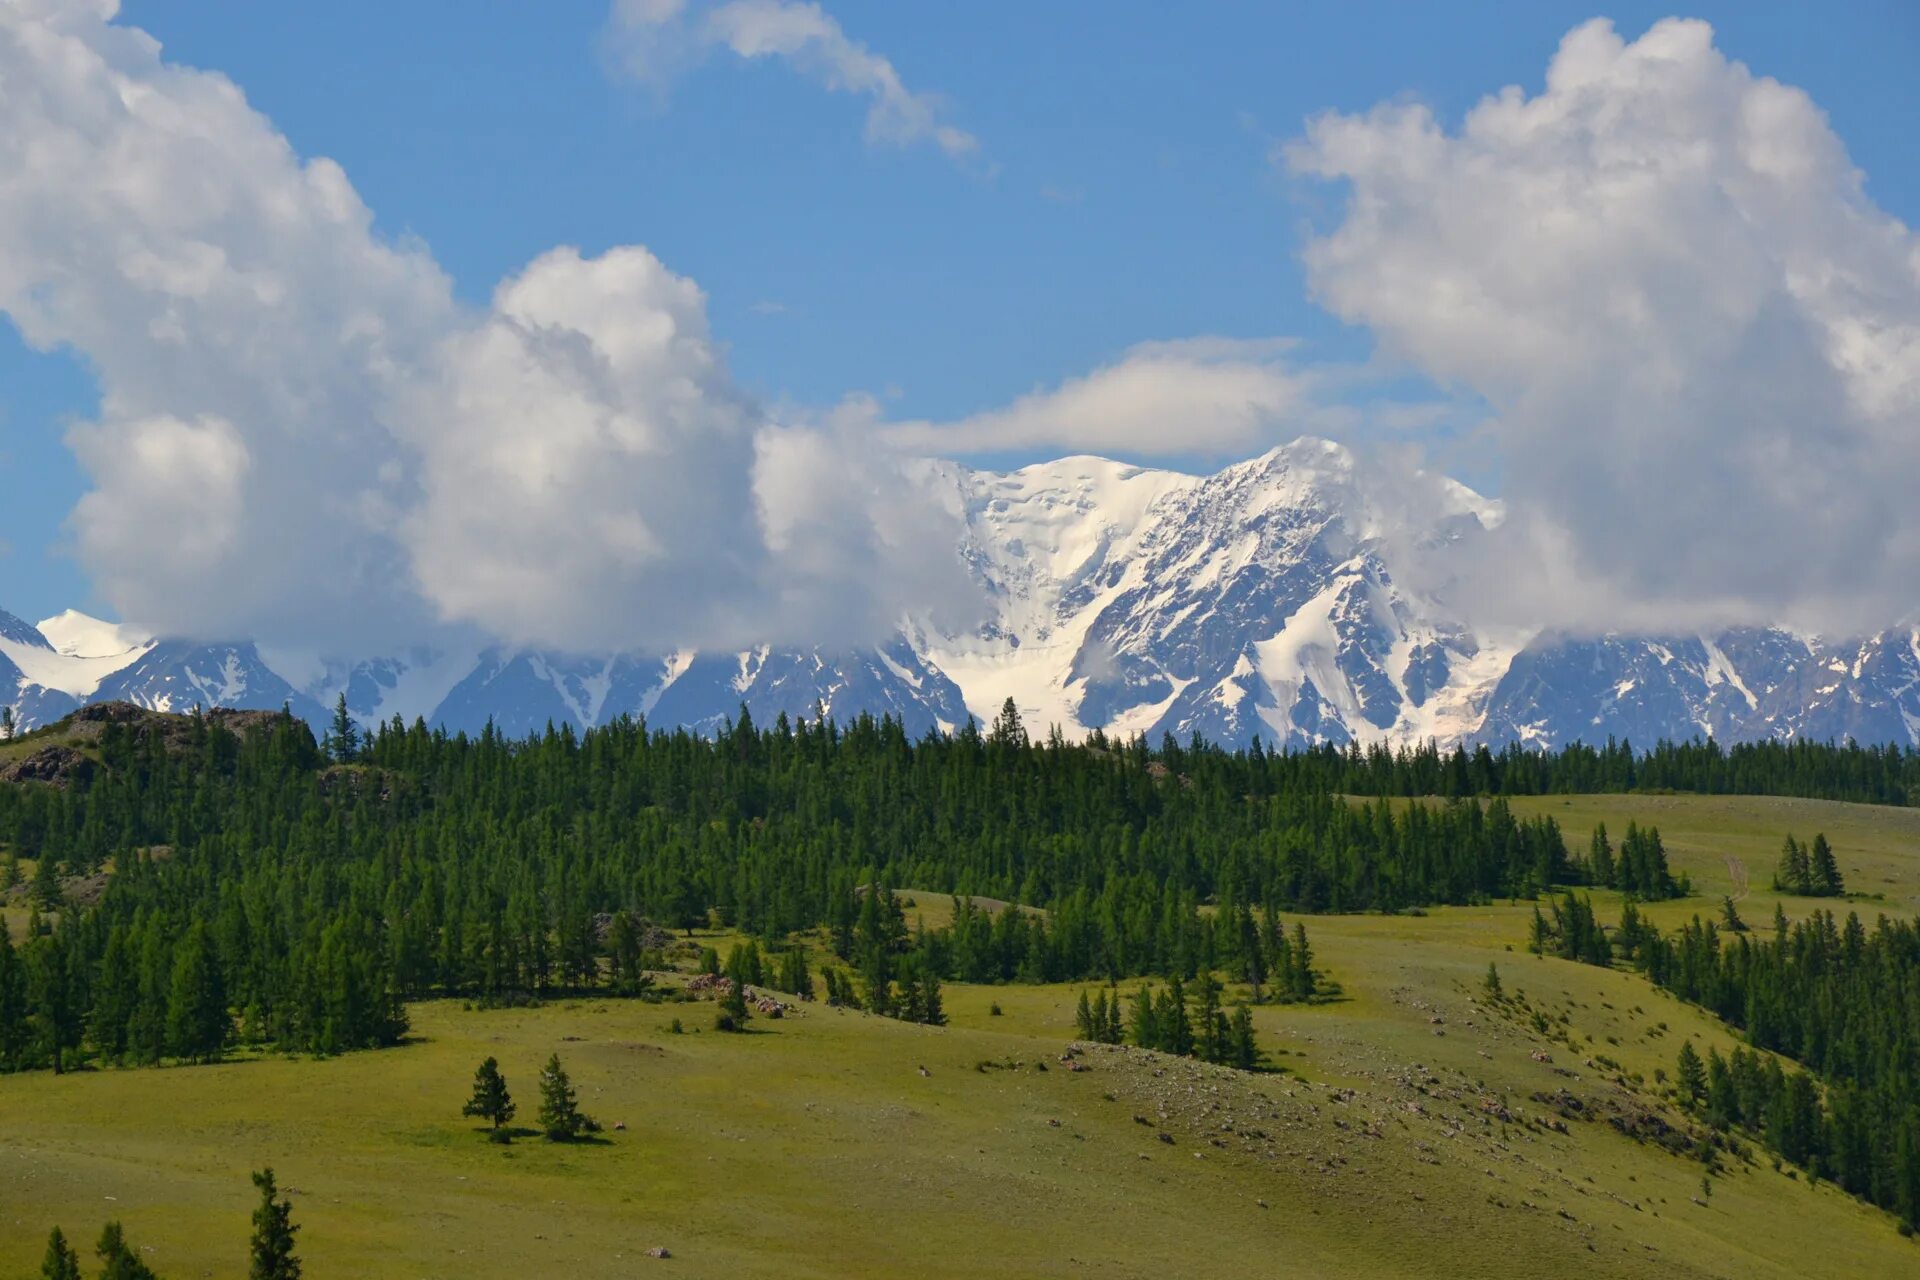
pixel 742 260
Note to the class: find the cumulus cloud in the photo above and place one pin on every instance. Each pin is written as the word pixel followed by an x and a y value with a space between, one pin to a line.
pixel 1699 338
pixel 1192 396
pixel 654 41
pixel 304 438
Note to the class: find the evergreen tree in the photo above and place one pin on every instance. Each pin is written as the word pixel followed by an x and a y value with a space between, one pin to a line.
pixel 1823 871
pixel 270 1252
pixel 490 1100
pixel 118 1261
pixel 197 1018
pixel 1111 1029
pixel 6 723
pixel 1007 729
pixel 1691 1077
pixel 47 894
pixel 1793 874
pixel 60 1262
pixel 560 1116
pixel 1244 1053
pixel 1730 916
pixel 1492 982
pixel 1600 858
pixel 1083 1019
pixel 1145 1019
pixel 1176 1028
pixel 733 1013
pixel 342 743
pixel 1302 961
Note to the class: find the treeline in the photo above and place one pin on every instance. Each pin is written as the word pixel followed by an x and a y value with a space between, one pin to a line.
pixel 1839 998
pixel 1811 770
pixel 269 890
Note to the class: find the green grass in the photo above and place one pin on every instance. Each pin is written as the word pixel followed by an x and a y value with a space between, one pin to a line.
pixel 815 1147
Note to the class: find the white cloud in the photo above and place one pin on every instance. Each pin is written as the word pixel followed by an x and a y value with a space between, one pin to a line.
pixel 304 438
pixel 654 41
pixel 1193 396
pixel 1700 339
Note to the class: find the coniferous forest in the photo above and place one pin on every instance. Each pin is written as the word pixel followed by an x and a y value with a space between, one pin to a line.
pixel 296 893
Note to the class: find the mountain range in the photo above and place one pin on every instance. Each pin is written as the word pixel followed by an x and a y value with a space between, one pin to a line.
pixel 1266 600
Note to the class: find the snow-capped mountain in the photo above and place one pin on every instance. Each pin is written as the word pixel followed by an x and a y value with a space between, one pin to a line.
pixel 1268 600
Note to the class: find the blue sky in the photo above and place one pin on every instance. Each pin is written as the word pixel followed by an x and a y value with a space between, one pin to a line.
pixel 1124 190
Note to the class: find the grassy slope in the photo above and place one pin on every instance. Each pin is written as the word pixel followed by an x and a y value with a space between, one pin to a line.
pixel 817 1148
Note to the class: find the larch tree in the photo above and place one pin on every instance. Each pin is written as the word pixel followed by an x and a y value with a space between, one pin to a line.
pixel 271 1255
pixel 490 1100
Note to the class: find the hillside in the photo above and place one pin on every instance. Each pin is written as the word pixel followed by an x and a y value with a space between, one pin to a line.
pixel 269 952
pixel 816 1147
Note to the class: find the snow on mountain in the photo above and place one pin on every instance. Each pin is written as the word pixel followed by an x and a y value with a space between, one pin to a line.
pixel 1264 600
pixel 179 675
pixel 51 669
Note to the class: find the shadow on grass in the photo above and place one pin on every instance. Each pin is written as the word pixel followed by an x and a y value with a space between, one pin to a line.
pixel 507 1135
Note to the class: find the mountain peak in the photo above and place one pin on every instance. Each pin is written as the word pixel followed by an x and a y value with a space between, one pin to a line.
pixel 21 632
pixel 80 635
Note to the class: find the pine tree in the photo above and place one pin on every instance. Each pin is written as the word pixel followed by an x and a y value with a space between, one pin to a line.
pixel 1823 872
pixel 1213 1025
pixel 1792 877
pixel 271 1250
pixel 490 1100
pixel 47 894
pixel 1007 729
pixel 1600 858
pixel 1083 1019
pixel 1730 916
pixel 1111 1032
pixel 6 724
pixel 560 1116
pixel 1176 1029
pixel 1303 985
pixel 1492 983
pixel 1691 1078
pixel 118 1261
pixel 1243 1052
pixel 197 1018
pixel 60 1262
pixel 733 1013
pixel 1145 1019
pixel 342 743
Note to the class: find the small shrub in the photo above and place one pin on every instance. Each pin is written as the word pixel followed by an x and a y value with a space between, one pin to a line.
pixel 725 1021
pixel 676 1028
pixel 993 1010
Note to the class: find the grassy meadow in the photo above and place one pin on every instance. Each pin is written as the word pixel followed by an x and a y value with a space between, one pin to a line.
pixel 1400 1134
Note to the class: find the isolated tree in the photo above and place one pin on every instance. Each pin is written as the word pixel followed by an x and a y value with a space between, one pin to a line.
pixel 1302 963
pixel 6 724
pixel 560 1116
pixel 1083 1018
pixel 273 1227
pixel 1691 1078
pixel 60 1262
pixel 490 1100
pixel 118 1261
pixel 733 1013
pixel 1823 872
pixel 1730 916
